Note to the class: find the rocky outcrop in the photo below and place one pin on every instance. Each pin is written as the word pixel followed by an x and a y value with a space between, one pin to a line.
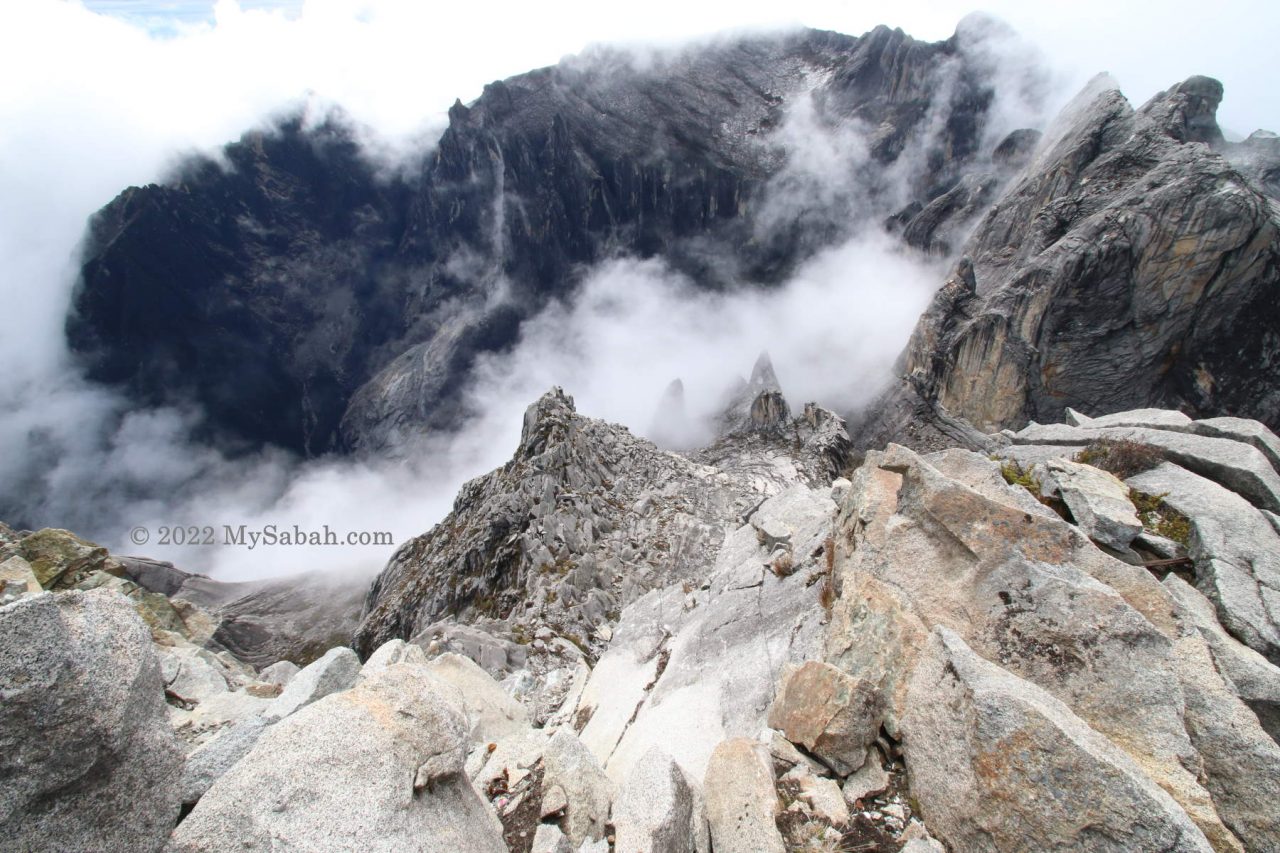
pixel 944 649
pixel 659 810
pixel 304 299
pixel 999 764
pixel 584 519
pixel 87 756
pixel 1111 274
pixel 296 619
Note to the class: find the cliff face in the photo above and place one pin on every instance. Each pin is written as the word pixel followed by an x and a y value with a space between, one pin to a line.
pixel 1133 264
pixel 306 302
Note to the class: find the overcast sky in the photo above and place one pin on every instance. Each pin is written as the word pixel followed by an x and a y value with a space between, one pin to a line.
pixel 366 43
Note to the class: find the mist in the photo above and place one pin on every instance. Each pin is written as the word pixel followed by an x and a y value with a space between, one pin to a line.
pixel 106 104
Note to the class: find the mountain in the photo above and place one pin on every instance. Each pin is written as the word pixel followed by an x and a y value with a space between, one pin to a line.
pixel 1135 263
pixel 306 299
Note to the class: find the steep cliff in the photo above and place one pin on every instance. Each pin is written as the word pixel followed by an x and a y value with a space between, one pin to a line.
pixel 307 301
pixel 1132 264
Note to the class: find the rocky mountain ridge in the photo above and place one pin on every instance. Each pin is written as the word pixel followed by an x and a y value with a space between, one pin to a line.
pixel 949 651
pixel 349 307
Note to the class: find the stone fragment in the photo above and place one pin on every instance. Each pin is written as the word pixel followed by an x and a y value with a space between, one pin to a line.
pixel 587 790
pixel 657 810
pixel 741 801
pixel 1098 501
pixel 869 780
pixel 833 716
pixel 393 651
pixel 336 671
pixel 1235 549
pixel 280 673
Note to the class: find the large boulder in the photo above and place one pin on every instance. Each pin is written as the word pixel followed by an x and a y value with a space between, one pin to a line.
pixel 376 768
pixel 88 758
pixel 1098 501
pixel 60 558
pixel 494 715
pixel 998 764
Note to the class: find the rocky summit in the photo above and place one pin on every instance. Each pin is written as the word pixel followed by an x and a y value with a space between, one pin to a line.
pixel 1026 600
pixel 764 645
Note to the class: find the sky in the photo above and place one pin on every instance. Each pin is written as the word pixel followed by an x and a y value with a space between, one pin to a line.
pixel 97 96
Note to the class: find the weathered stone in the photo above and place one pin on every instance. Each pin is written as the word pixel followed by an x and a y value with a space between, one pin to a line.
pixel 1026 591
pixel 588 791
pixel 1098 501
pixel 1148 418
pixel 1241 429
pixel 835 717
pixel 87 757
pixel 871 779
pixel 209 762
pixel 338 670
pixel 56 555
pixel 1241 761
pixel 16 573
pixel 493 714
pixel 550 839
pixel 741 802
pixel 820 794
pixel 1240 467
pixel 998 764
pixel 1252 677
pixel 398 739
pixel 689 667
pixel 191 675
pixel 657 810
pixel 1236 553
pixel 391 652
pixel 280 673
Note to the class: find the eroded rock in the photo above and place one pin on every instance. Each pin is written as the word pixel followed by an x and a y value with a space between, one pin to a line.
pixel 999 764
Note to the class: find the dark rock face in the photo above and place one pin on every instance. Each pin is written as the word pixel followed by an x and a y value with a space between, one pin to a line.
pixel 303 301
pixel 1130 266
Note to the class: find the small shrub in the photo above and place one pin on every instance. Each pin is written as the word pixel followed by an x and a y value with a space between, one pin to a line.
pixel 1123 458
pixel 1160 518
pixel 783 565
pixel 1015 475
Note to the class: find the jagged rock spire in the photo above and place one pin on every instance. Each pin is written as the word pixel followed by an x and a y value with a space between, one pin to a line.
pixel 671 428
pixel 759 405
